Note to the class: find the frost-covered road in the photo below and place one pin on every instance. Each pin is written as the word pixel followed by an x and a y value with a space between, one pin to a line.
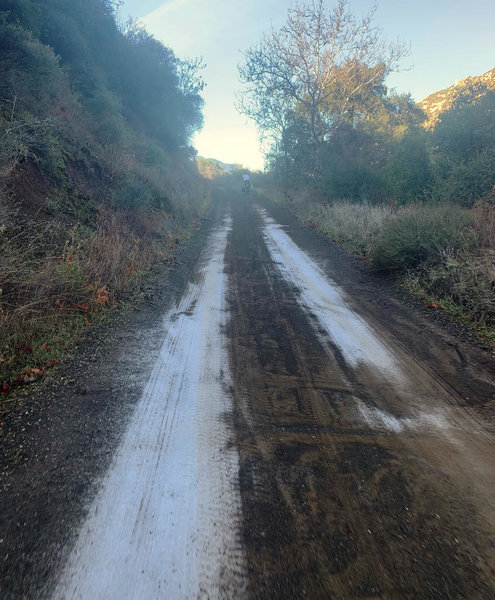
pixel 297 433
pixel 287 445
pixel 167 521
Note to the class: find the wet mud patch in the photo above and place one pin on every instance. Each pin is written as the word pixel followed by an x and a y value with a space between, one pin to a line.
pixel 290 454
pixel 344 550
pixel 422 543
pixel 359 457
pixel 267 526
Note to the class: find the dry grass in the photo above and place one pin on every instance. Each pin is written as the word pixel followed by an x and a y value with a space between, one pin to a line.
pixel 163 175
pixel 130 215
pixel 483 213
pixel 461 285
pixel 46 299
pixel 355 226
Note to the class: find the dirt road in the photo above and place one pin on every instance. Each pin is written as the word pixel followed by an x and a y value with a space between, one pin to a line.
pixel 298 433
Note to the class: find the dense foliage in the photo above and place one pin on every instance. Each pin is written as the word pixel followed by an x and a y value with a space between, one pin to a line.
pixel 115 74
pixel 411 193
pixel 376 159
pixel 319 93
pixel 79 93
pixel 210 168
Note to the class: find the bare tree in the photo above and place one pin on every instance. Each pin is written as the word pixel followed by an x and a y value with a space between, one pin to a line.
pixel 315 66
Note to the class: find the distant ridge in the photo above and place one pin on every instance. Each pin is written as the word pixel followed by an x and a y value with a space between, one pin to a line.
pixel 225 166
pixel 438 102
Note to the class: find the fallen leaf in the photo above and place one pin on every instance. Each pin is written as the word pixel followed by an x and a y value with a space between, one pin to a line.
pixel 25 350
pixel 5 387
pixel 435 305
pixel 30 375
pixel 53 363
pixel 70 258
pixel 102 296
pixel 82 307
pixel 45 348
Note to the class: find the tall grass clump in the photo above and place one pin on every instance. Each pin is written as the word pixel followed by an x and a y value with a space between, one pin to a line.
pixel 54 283
pixel 354 226
pixel 420 233
pixel 483 214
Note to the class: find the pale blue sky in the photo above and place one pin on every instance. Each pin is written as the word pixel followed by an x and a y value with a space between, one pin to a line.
pixel 449 39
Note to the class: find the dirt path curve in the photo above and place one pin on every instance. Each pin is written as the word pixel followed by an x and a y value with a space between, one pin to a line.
pixel 295 433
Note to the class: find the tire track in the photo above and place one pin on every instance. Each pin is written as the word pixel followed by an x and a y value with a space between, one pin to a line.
pixel 166 523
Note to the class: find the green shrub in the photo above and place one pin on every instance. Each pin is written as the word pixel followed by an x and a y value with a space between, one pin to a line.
pixel 134 193
pixel 154 156
pixel 466 182
pixel 463 149
pixel 420 234
pixel 30 72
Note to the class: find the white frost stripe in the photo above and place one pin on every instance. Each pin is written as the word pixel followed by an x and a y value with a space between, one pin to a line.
pixel 166 523
pixel 381 419
pixel 355 339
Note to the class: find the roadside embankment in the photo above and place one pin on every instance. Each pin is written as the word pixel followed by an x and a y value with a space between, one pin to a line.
pixel 97 183
pixel 59 274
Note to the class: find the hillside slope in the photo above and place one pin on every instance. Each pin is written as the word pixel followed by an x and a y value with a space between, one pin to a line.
pixel 97 178
pixel 443 100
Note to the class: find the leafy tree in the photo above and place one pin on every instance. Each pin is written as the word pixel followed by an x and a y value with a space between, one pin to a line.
pixel 352 165
pixel 75 87
pixel 210 168
pixel 293 154
pixel 322 64
pixel 408 171
pixel 463 149
pixel 157 79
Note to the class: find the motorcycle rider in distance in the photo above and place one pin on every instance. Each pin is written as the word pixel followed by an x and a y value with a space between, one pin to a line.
pixel 246 182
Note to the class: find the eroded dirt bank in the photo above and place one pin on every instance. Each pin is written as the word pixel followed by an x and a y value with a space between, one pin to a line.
pixel 363 473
